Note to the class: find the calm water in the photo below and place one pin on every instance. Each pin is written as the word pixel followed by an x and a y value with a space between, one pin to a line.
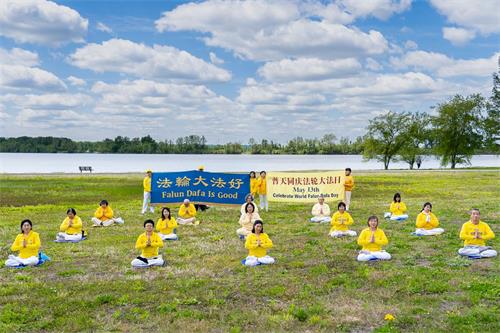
pixel 68 163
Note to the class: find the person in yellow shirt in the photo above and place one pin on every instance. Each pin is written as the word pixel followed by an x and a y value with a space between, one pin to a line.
pixel 427 223
pixel 262 190
pixel 253 184
pixel 341 221
pixel 247 220
pixel 248 199
pixel 28 244
pixel 148 242
pixel 348 186
pixel 187 213
pixel 320 211
pixel 398 209
pixel 166 225
pixel 103 216
pixel 475 233
pixel 257 244
pixel 146 184
pixel 71 229
pixel 371 240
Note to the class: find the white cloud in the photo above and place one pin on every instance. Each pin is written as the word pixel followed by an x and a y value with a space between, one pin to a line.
pixel 162 62
pixel 373 65
pixel 260 30
pixel 458 36
pixel 41 22
pixel 444 66
pixel 49 101
pixel 479 15
pixel 75 81
pixel 22 77
pixel 381 9
pixel 17 56
pixel 215 60
pixel 411 45
pixel 103 27
pixel 308 69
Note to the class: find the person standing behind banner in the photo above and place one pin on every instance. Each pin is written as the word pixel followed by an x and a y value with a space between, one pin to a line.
pixel 253 184
pixel 146 183
pixel 262 190
pixel 348 186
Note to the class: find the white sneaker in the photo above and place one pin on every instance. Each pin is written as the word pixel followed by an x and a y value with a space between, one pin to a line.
pixel 119 220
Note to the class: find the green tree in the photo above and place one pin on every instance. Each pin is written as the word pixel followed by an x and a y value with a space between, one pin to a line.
pixel 492 120
pixel 385 137
pixel 458 129
pixel 416 134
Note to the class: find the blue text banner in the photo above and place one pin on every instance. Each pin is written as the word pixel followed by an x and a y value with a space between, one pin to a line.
pixel 199 186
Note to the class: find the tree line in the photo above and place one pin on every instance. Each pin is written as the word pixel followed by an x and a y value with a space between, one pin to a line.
pixel 458 129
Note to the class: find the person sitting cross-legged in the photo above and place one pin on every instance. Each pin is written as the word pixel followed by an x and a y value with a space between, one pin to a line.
pixel 475 233
pixel 27 243
pixel 149 242
pixel 247 220
pixel 103 216
pixel 166 225
pixel 427 223
pixel 71 229
pixel 187 213
pixel 341 221
pixel 321 211
pixel 372 239
pixel 257 244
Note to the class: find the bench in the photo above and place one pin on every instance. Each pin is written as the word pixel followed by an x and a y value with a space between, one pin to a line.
pixel 85 168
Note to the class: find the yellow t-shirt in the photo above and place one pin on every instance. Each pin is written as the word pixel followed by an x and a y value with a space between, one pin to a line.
pixel 397 208
pixel 104 214
pixel 262 186
pixel 187 212
pixel 32 245
pixel 348 183
pixel 380 240
pixel 149 251
pixel 146 183
pixel 255 250
pixel 76 227
pixel 166 226
pixel 425 221
pixel 341 222
pixel 468 230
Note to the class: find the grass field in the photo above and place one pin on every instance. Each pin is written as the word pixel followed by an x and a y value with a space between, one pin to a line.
pixel 315 286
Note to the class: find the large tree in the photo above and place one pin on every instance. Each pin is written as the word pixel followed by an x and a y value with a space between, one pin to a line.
pixel 492 120
pixel 385 137
pixel 458 129
pixel 416 134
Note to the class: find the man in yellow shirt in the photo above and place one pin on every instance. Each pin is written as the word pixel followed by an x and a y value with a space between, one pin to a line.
pixel 146 183
pixel 475 233
pixel 348 186
pixel 149 242
pixel 187 213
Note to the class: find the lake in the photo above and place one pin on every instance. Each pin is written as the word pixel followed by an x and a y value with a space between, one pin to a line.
pixel 106 163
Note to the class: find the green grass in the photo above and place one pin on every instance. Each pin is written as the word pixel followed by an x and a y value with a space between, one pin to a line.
pixel 316 284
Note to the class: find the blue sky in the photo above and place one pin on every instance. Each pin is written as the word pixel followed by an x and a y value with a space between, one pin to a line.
pixel 233 70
